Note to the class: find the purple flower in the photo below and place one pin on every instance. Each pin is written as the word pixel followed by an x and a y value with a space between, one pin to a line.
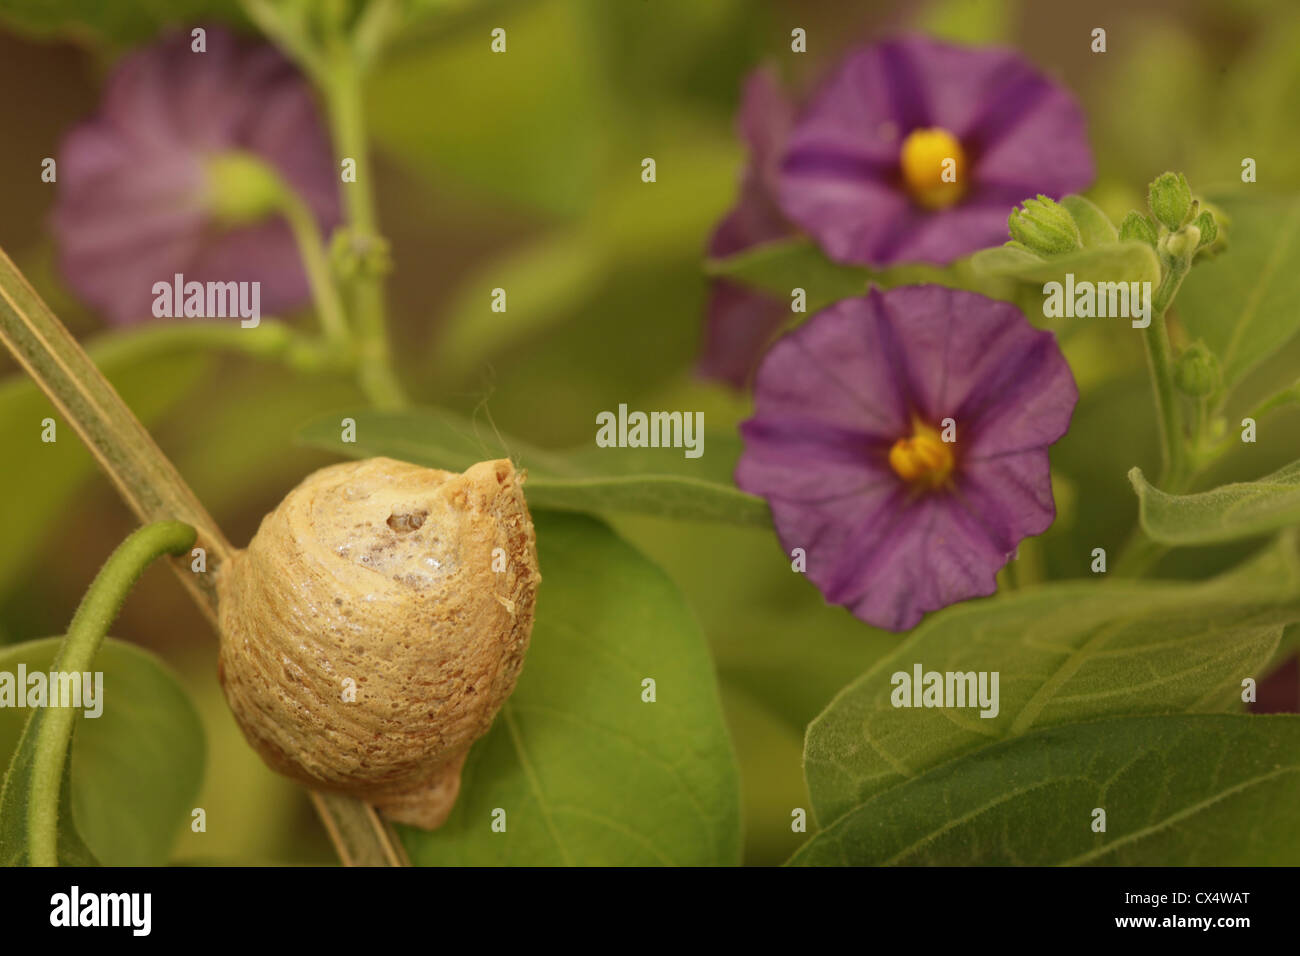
pixel 901 440
pixel 868 165
pixel 741 322
pixel 135 203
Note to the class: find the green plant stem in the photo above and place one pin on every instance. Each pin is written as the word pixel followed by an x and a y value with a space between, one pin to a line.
pixel 1140 553
pixel 373 29
pixel 273 21
pixel 329 306
pixel 76 654
pixel 271 340
pixel 342 92
pixel 1160 360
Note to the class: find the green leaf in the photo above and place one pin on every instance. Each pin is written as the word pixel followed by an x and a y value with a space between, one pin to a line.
pixel 783 265
pixel 1243 302
pixel 586 772
pixel 1064 653
pixel 1007 260
pixel 135 769
pixel 780 266
pixel 1094 225
pixel 1239 510
pixel 1128 261
pixel 1185 790
pixel 658 481
pixel 116 22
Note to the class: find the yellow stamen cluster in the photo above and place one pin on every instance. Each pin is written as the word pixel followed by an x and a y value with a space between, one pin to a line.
pixel 927 155
pixel 924 460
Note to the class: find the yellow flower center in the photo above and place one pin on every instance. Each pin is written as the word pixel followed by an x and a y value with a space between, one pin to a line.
pixel 934 167
pixel 924 459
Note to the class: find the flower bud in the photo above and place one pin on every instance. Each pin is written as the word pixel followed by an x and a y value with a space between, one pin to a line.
pixel 1197 372
pixel 1140 227
pixel 242 188
pixel 1045 227
pixel 1208 227
pixel 1183 243
pixel 1170 199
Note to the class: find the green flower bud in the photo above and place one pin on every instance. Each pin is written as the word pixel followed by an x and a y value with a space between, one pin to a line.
pixel 1045 227
pixel 1197 372
pixel 1138 226
pixel 1209 228
pixel 1183 243
pixel 242 188
pixel 1170 199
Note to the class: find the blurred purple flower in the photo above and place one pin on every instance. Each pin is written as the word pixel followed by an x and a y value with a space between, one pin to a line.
pixel 135 205
pixel 863 167
pixel 741 321
pixel 847 444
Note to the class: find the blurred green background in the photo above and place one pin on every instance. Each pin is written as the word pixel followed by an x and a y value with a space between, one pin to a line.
pixel 524 173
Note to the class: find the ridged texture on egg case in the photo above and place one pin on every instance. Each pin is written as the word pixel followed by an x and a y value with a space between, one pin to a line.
pixel 382 572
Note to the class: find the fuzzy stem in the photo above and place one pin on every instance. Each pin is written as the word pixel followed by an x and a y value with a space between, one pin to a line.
pixel 1160 361
pixel 329 306
pixel 85 634
pixel 342 91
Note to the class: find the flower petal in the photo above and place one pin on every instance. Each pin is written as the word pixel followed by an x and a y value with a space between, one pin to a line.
pixel 833 396
pixel 840 179
pixel 740 325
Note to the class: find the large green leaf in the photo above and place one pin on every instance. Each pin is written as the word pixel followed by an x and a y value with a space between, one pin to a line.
pixel 586 772
pixel 1064 653
pixel 1191 790
pixel 658 481
pixel 1243 302
pixel 1239 510
pixel 134 771
pixel 120 22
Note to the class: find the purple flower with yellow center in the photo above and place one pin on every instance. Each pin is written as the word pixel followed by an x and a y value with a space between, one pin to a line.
pixel 914 150
pixel 178 173
pixel 901 441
